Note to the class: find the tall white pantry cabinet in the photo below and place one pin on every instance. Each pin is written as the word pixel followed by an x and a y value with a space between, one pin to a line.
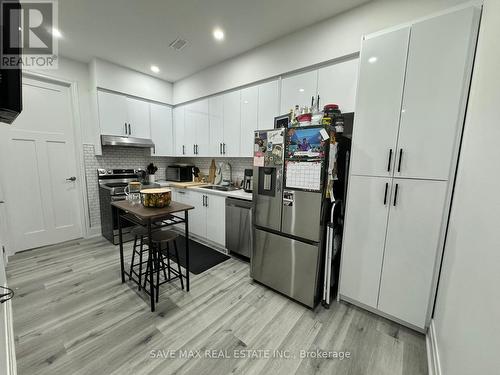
pixel 411 98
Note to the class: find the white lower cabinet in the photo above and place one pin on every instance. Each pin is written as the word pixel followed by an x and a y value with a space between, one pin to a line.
pixel 413 234
pixel 216 218
pixel 208 218
pixel 364 238
pixel 391 241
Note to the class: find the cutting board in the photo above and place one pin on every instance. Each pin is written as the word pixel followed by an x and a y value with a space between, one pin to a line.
pixel 211 172
pixel 185 185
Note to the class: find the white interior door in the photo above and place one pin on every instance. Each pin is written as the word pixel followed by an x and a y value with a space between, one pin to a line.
pixel 378 103
pixel 3 222
pixel 41 196
pixel 364 237
pixel 415 220
pixel 436 86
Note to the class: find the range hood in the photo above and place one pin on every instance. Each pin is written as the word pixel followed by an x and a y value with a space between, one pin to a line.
pixel 116 140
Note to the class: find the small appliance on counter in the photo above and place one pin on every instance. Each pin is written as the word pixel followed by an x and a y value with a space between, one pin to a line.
pixel 248 180
pixel 180 172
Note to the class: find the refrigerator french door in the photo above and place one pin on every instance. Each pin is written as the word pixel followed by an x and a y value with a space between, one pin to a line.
pixel 289 210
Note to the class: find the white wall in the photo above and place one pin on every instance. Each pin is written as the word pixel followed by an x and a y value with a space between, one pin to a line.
pixel 334 38
pixel 117 78
pixel 467 313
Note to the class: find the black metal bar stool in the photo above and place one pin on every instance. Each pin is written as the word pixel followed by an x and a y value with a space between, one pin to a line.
pixel 140 233
pixel 162 240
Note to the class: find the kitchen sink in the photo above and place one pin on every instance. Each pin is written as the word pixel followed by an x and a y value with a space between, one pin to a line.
pixel 220 188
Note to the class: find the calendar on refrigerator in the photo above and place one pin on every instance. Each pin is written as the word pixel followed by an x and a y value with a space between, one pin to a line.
pixel 303 175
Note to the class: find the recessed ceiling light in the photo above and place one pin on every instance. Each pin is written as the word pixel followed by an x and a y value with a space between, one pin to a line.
pixel 372 60
pixel 301 90
pixel 155 69
pixel 218 34
pixel 56 33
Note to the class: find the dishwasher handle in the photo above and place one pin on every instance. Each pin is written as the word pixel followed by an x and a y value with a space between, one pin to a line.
pixel 238 203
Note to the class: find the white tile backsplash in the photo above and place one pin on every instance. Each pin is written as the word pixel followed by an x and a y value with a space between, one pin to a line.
pixel 128 157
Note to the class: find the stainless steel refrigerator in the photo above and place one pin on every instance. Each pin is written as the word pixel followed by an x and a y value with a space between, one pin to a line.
pixel 290 173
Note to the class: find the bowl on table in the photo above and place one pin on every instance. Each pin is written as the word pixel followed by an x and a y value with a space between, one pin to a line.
pixel 156 198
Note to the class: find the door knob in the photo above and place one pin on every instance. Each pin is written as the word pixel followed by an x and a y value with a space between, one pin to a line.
pixel 71 179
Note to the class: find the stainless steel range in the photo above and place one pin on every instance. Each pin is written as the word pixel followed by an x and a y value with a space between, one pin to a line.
pixel 112 183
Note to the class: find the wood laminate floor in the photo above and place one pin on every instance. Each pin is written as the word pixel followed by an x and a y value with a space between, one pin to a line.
pixel 72 315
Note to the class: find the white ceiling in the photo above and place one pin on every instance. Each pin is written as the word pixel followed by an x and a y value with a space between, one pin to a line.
pixel 137 33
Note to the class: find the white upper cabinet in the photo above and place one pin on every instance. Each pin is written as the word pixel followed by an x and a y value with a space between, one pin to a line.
pixel 123 116
pixel 197 133
pixel 232 123
pixel 216 121
pixel 249 118
pixel 162 130
pixel 113 113
pixel 298 89
pixel 337 84
pixel 179 123
pixel 436 84
pixel 138 118
pixel 413 234
pixel 378 104
pixel 269 106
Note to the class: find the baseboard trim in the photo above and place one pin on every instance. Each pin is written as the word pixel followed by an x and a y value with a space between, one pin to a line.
pixel 93 232
pixel 433 363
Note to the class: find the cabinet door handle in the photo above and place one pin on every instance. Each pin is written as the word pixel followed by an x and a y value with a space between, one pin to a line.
pixel 183 152
pixel 220 148
pixel 385 193
pixel 224 148
pixel 396 195
pixel 389 162
pixel 125 128
pixel 400 158
pixel 129 131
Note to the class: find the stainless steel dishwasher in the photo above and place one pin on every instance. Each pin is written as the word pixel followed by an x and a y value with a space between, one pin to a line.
pixel 239 226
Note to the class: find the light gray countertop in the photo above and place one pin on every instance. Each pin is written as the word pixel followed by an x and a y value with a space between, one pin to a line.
pixel 240 193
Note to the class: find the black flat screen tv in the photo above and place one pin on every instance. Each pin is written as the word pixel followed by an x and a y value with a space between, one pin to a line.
pixel 11 100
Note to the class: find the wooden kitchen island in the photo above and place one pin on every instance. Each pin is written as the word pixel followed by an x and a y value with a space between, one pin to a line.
pixel 153 218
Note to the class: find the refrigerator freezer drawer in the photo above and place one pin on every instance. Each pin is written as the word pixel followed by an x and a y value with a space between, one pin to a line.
pixel 301 216
pixel 286 265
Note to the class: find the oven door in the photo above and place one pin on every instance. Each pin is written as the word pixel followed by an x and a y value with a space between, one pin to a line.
pixel 126 225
